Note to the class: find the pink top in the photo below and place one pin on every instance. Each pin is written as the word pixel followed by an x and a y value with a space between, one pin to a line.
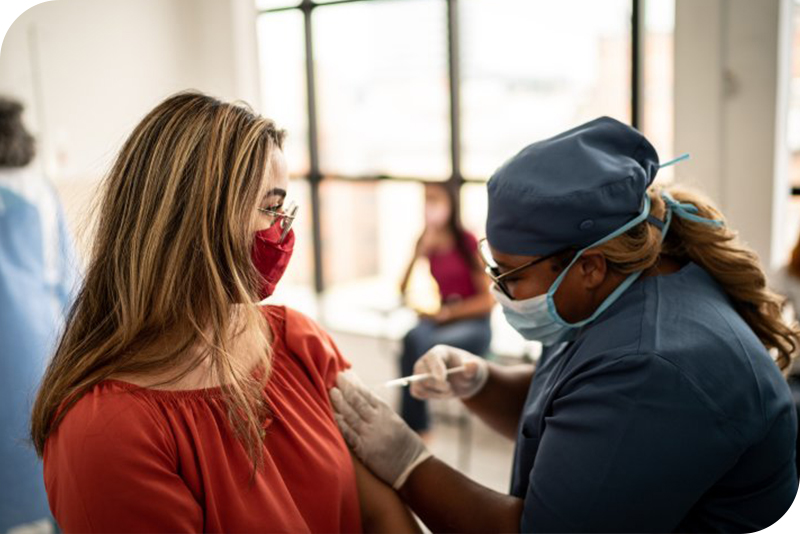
pixel 452 272
pixel 131 459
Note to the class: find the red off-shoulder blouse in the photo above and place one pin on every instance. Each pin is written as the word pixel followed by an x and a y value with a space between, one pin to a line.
pixel 131 459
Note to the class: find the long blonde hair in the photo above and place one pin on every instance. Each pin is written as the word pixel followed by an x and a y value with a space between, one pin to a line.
pixel 171 265
pixel 716 249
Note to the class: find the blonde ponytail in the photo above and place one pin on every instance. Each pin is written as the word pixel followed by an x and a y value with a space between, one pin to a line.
pixel 716 249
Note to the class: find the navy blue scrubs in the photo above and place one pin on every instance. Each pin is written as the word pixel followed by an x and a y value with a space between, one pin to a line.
pixel 665 414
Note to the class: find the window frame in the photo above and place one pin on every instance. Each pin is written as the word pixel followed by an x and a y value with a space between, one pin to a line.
pixel 456 178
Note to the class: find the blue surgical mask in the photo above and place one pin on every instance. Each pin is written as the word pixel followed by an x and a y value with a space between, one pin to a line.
pixel 537 318
pixel 532 319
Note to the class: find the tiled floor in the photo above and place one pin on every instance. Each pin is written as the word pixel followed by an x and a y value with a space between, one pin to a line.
pixel 489 454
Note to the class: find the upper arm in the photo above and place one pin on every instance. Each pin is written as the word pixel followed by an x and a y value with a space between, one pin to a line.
pixel 118 475
pixel 628 446
pixel 382 510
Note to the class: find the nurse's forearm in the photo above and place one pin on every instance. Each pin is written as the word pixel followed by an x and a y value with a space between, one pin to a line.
pixel 447 501
pixel 499 404
pixel 381 507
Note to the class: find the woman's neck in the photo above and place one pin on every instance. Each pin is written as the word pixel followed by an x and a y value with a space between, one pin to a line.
pixel 664 265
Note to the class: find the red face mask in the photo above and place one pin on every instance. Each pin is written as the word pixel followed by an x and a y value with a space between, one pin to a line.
pixel 271 257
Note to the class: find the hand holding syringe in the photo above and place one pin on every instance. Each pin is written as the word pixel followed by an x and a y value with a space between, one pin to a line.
pixel 407 380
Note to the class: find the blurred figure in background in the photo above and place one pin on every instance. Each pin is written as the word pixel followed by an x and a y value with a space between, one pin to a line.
pixel 37 274
pixel 466 303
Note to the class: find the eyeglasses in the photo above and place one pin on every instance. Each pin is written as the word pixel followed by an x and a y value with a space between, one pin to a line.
pixel 493 270
pixel 284 216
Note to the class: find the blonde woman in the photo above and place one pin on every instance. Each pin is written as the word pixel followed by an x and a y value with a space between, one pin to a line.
pixel 176 403
pixel 656 405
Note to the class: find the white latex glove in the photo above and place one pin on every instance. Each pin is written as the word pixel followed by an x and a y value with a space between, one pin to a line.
pixel 374 432
pixel 437 361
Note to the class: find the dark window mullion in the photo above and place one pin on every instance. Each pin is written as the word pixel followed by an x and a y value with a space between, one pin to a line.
pixel 454 77
pixel 637 35
pixel 315 175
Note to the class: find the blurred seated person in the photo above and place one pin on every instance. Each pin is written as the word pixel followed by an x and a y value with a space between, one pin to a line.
pixel 466 304
pixel 37 274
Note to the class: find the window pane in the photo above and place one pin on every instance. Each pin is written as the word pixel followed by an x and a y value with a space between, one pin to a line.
pixel 382 89
pixel 281 47
pixel 532 68
pixel 369 230
pixel 792 218
pixel 474 206
pixel 657 95
pixel 794 102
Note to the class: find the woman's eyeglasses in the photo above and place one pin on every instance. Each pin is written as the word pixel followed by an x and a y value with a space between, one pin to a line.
pixel 493 270
pixel 284 216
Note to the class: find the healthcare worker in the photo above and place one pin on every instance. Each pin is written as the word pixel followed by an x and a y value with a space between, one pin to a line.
pixel 656 405
pixel 38 275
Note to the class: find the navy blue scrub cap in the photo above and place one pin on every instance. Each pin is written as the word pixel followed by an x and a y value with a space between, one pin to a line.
pixel 570 190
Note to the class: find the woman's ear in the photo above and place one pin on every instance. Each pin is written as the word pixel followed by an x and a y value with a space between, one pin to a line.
pixel 593 268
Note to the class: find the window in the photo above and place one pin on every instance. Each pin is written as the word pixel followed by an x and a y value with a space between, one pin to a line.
pixel 658 81
pixel 532 68
pixel 384 95
pixel 369 229
pixel 382 90
pixel 792 222
pixel 793 121
pixel 281 46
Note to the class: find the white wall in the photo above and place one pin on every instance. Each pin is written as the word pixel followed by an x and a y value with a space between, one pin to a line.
pixel 88 70
pixel 731 76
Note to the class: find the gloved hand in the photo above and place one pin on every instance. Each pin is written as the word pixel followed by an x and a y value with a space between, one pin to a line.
pixel 437 361
pixel 374 432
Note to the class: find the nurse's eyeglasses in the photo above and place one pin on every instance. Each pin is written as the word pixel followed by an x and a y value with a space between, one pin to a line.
pixel 284 215
pixel 493 270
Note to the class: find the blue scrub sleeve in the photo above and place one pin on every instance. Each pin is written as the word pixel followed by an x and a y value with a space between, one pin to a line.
pixel 69 265
pixel 621 450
